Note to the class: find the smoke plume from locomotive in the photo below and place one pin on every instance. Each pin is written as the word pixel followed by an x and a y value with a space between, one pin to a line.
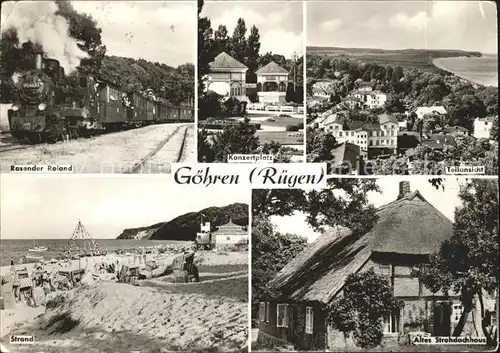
pixel 37 22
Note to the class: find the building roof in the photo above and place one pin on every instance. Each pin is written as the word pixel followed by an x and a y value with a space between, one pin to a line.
pixel 226 61
pixel 488 119
pixel 438 141
pixel 428 110
pixel 387 118
pixel 346 153
pixel 450 129
pixel 271 68
pixel 231 229
pixel 409 225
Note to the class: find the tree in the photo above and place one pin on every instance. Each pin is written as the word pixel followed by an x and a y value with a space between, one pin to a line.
pixel 367 298
pixel 252 53
pixel 221 39
pixel 319 146
pixel 238 41
pixel 394 104
pixel 323 208
pixel 205 153
pixel 494 129
pixel 235 139
pixel 290 93
pixel 205 47
pixel 84 29
pixel 271 251
pixel 467 263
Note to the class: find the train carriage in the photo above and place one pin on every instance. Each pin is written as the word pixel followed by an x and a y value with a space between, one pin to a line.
pixel 49 107
pixel 110 109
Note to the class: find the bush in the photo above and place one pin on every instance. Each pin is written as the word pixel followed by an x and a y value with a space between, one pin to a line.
pixel 292 128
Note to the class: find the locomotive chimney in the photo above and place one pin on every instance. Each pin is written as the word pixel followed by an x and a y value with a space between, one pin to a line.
pixel 38 61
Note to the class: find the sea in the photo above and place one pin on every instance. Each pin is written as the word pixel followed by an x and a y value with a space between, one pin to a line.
pixel 13 249
pixel 483 70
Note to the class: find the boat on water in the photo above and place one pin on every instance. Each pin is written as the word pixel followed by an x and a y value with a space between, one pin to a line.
pixel 37 248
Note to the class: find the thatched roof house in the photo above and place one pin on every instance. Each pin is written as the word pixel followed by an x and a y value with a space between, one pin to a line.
pixel 406 232
pixel 409 225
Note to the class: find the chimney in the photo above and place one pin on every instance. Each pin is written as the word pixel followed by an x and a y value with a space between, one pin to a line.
pixel 38 61
pixel 404 189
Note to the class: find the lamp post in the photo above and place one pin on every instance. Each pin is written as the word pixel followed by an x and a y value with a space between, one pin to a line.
pixel 294 58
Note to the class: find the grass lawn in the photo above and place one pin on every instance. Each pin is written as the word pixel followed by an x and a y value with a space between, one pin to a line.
pixel 279 136
pixel 278 121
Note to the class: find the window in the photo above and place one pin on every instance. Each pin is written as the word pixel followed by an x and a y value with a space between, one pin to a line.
pixel 374 133
pixel 309 319
pixel 382 133
pixel 262 311
pixel 82 82
pixel 228 238
pixel 340 133
pixel 385 270
pixel 281 312
pixel 371 142
pixel 390 323
pixel 392 133
pixel 268 312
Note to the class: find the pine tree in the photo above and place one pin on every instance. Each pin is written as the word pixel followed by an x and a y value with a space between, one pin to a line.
pixel 252 53
pixel 238 41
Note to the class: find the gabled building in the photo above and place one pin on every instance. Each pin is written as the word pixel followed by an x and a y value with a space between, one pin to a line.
pixel 408 230
pixel 230 234
pixel 272 83
pixel 382 135
pixel 370 99
pixel 227 76
pixel 482 127
pixel 435 109
pixel 456 131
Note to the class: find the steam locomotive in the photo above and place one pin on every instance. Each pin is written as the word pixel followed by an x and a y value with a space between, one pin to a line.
pixel 49 108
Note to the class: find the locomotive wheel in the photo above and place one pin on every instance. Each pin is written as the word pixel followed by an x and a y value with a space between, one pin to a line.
pixel 35 138
pixel 52 134
pixel 200 247
pixel 138 124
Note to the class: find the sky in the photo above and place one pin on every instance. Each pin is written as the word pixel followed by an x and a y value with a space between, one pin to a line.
pixel 280 23
pixel 157 31
pixel 445 201
pixel 466 25
pixel 49 206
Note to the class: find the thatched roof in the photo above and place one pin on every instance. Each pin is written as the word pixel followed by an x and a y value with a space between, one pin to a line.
pixel 409 225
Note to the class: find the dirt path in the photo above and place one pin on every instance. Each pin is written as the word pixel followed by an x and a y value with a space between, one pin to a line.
pixel 116 152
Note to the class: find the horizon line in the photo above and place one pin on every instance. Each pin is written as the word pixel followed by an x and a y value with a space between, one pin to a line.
pixel 397 49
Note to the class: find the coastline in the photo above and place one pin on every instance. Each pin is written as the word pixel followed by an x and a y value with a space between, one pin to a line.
pixel 487 81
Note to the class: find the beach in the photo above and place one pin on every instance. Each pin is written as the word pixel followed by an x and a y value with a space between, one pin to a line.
pixel 153 315
pixel 481 70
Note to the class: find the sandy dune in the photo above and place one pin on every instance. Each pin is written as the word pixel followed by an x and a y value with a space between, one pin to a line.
pixel 157 316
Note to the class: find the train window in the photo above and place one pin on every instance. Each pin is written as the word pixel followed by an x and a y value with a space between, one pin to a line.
pixel 83 82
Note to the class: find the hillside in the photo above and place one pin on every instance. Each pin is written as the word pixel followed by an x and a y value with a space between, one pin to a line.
pixel 186 226
pixel 416 58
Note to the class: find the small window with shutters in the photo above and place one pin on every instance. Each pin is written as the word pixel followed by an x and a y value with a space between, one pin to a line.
pixel 268 312
pixel 262 311
pixel 281 311
pixel 309 320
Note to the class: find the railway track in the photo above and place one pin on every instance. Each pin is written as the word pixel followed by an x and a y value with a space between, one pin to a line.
pixel 13 147
pixel 172 138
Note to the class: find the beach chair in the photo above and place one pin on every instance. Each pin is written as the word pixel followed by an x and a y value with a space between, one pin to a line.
pixel 184 269
pixel 133 273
